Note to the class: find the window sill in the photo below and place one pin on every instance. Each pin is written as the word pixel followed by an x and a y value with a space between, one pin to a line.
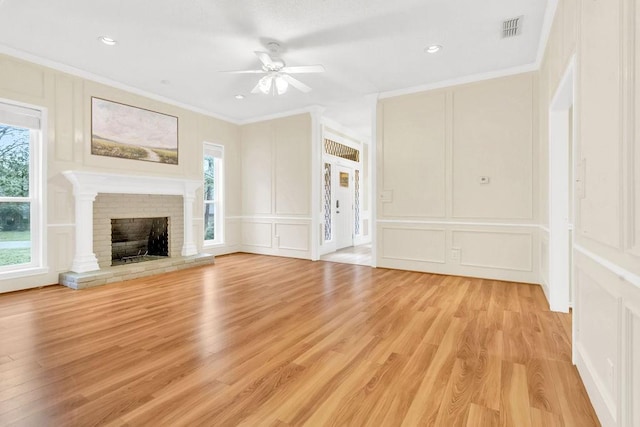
pixel 23 272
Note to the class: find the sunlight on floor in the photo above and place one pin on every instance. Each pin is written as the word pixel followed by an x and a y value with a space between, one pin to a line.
pixel 352 255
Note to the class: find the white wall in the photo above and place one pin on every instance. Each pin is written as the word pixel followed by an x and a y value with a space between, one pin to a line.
pixel 276 187
pixel 606 299
pixel 67 100
pixel 432 149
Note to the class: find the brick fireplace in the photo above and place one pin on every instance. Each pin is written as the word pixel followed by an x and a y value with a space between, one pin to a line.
pixel 110 207
pixel 101 197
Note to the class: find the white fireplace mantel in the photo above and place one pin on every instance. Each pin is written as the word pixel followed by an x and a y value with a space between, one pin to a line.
pixel 87 185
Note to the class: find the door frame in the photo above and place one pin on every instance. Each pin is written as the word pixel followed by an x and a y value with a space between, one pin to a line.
pixel 560 237
pixel 328 247
pixel 322 127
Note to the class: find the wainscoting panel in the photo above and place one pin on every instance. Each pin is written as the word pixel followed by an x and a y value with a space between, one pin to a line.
pixel 597 338
pixel 293 237
pixel 632 363
pixel 544 260
pixel 233 235
pixel 256 234
pixel 496 250
pixel 414 244
pixel 488 250
pixel 607 339
pixel 63 235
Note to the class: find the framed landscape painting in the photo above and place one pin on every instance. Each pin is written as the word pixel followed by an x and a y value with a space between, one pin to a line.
pixel 120 130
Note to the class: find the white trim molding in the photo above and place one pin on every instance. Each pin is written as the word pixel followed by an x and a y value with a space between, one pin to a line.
pixel 57 66
pixel 465 223
pixel 472 78
pixel 622 273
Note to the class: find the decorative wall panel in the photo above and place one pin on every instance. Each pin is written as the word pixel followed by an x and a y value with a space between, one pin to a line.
pixel 414 244
pixel 257 234
pixel 495 250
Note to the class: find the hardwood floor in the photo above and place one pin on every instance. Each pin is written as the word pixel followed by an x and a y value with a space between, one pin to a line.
pixel 256 340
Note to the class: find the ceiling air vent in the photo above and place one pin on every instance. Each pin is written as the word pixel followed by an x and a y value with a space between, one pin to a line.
pixel 512 27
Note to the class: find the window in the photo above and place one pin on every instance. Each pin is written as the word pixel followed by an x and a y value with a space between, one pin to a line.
pixel 213 212
pixel 21 216
pixel 340 150
pixel 327 202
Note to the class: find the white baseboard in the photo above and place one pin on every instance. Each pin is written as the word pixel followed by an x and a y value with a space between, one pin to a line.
pixel 604 406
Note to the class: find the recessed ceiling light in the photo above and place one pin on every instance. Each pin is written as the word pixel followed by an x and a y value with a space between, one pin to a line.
pixel 107 40
pixel 239 96
pixel 433 48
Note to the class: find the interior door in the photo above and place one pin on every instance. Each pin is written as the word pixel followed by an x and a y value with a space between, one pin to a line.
pixel 343 208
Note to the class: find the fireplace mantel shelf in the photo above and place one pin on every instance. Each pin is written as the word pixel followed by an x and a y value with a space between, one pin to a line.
pixel 87 185
pixel 94 182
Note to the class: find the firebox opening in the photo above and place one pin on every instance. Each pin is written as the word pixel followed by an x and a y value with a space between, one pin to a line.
pixel 139 239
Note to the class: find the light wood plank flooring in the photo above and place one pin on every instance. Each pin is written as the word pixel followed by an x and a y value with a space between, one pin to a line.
pixel 256 340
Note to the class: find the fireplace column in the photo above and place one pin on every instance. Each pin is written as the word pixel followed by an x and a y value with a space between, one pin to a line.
pixel 189 247
pixel 84 258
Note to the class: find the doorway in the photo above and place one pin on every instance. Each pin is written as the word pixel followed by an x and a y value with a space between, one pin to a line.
pixel 345 212
pixel 561 158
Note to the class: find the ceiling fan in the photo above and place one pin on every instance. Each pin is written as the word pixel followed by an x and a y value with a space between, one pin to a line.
pixel 277 78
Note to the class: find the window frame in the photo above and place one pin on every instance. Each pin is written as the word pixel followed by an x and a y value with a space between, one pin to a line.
pixel 217 152
pixel 37 189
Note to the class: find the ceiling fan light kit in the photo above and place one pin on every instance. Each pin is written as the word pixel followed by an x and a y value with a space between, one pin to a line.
pixel 272 84
pixel 278 78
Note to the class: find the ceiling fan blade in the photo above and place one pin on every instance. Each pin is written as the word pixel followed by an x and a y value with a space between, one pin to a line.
pixel 256 89
pixel 304 69
pixel 244 72
pixel 265 58
pixel 296 83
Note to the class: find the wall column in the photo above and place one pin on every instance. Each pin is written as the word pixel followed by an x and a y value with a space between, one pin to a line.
pixel 372 100
pixel 84 259
pixel 316 181
pixel 188 247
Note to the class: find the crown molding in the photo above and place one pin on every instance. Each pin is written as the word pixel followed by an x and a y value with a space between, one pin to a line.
pixel 312 109
pixel 57 66
pixel 545 32
pixel 472 78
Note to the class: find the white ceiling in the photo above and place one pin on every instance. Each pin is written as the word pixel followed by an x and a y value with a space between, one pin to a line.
pixel 366 46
